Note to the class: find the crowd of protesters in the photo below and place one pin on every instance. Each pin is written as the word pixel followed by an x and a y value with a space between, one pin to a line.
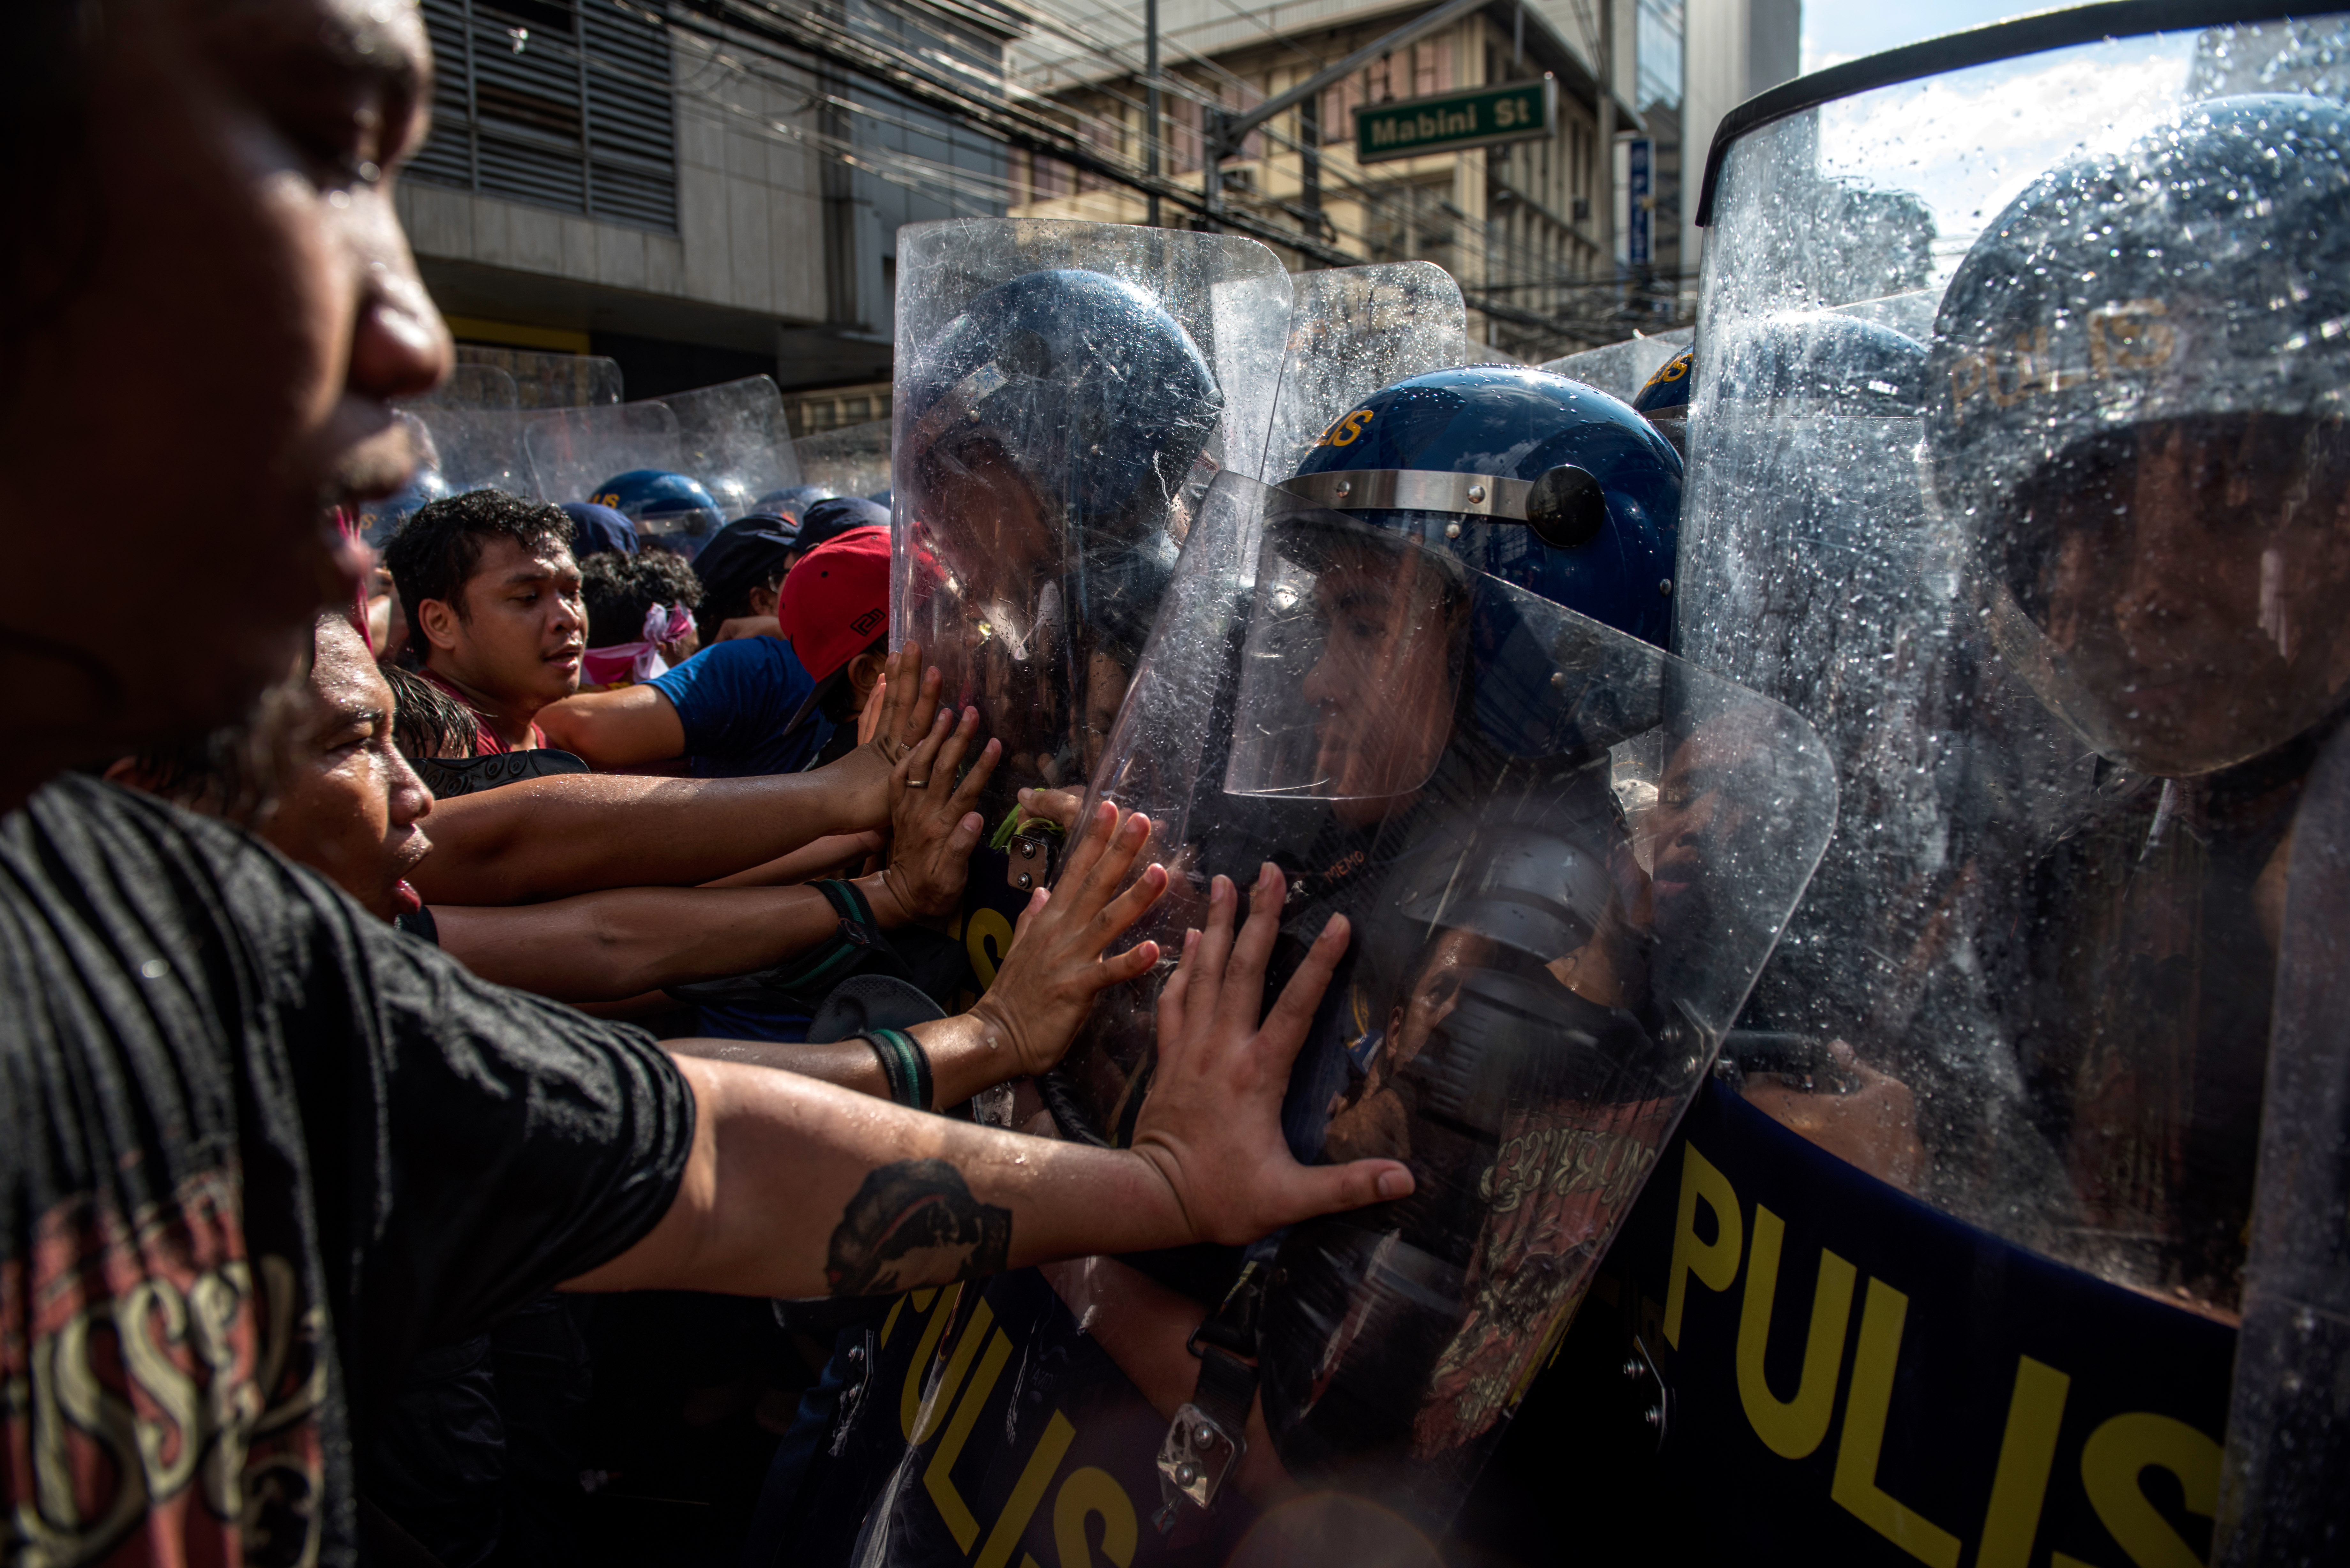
pixel 390 964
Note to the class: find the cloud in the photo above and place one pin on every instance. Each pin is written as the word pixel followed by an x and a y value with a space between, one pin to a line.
pixel 1966 144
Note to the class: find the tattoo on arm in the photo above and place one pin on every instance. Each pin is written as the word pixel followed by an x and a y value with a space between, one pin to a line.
pixel 915 1223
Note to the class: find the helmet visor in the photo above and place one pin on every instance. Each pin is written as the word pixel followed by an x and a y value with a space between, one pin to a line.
pixel 2173 590
pixel 1351 674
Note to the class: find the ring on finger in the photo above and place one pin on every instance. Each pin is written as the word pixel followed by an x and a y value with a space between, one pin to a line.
pixel 918 783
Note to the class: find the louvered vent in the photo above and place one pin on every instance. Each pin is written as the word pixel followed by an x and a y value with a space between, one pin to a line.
pixel 540 101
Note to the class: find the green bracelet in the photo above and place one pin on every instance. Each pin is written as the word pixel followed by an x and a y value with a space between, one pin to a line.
pixel 905 1064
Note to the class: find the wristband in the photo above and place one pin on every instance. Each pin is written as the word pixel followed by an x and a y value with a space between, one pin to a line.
pixel 905 1064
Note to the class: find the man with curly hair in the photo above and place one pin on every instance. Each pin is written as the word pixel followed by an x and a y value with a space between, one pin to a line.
pixel 494 616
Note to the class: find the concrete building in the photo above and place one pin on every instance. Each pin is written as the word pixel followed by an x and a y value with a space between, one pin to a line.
pixel 1530 227
pixel 1736 49
pixel 699 203
pixel 682 198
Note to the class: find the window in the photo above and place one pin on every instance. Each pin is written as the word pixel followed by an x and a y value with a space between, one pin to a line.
pixel 559 106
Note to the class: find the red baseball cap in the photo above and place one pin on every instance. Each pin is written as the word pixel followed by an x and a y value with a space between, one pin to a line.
pixel 836 600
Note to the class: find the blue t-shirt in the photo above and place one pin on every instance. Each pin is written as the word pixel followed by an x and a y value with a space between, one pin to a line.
pixel 734 699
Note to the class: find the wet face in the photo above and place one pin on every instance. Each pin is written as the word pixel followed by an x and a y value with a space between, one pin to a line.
pixel 226 306
pixel 1383 687
pixel 352 805
pixel 523 630
pixel 2195 592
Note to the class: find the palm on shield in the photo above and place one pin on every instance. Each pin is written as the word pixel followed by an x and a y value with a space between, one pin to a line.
pixel 1563 855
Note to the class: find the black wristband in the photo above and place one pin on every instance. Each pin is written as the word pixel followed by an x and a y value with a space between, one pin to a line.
pixel 905 1064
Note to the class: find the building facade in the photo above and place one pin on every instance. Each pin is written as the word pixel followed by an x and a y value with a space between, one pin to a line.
pixel 683 196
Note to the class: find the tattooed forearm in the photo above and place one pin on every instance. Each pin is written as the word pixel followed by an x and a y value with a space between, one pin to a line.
pixel 915 1223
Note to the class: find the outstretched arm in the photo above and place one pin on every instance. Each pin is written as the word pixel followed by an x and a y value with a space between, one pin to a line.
pixel 550 837
pixel 623 729
pixel 796 1188
pixel 1058 962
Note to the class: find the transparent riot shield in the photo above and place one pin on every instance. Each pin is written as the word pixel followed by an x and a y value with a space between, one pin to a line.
pixel 851 461
pixel 543 380
pixel 573 450
pixel 477 387
pixel 1621 370
pixel 1353 330
pixel 1063 393
pixel 732 437
pixel 2015 460
pixel 1563 855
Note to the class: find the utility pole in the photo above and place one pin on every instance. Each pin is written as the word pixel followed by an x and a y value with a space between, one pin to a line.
pixel 1226 130
pixel 1150 100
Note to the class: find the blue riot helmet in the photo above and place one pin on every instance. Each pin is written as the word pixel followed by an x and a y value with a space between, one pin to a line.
pixel 672 512
pixel 1044 441
pixel 1664 399
pixel 793 501
pixel 1543 482
pixel 1092 394
pixel 2141 346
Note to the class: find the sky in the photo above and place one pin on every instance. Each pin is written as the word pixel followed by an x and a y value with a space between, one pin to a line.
pixel 1837 30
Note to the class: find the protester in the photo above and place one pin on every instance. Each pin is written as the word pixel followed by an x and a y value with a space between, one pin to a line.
pixel 640 617
pixel 745 603
pixel 492 595
pixel 740 708
pixel 836 615
pixel 237 1088
pixel 742 569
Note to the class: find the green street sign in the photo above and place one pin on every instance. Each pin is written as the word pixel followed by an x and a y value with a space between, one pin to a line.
pixel 1521 111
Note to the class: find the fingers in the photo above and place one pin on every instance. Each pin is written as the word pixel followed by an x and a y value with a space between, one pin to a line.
pixel 1031 915
pixel 947 760
pixel 1059 805
pixel 922 755
pixel 915 718
pixel 1215 948
pixel 1131 964
pixel 1101 882
pixel 964 839
pixel 1327 1189
pixel 1244 981
pixel 1292 1014
pixel 966 795
pixel 1089 845
pixel 1171 995
pixel 1128 907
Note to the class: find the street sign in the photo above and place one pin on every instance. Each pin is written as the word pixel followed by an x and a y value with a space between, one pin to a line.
pixel 1640 186
pixel 1519 111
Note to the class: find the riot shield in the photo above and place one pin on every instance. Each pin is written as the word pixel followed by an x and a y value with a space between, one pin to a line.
pixel 543 380
pixel 573 450
pixel 478 388
pixel 851 461
pixel 1621 370
pixel 1353 330
pixel 732 437
pixel 2003 468
pixel 1563 855
pixel 1063 392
